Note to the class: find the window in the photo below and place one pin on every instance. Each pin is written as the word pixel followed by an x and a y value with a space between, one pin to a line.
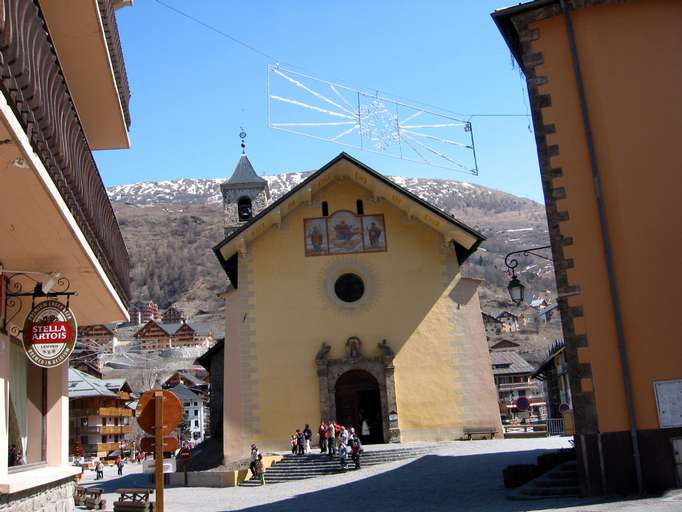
pixel 26 410
pixel 196 423
pixel 244 209
pixel 349 287
pixel 196 404
pixel 325 209
pixel 359 207
pixel 196 412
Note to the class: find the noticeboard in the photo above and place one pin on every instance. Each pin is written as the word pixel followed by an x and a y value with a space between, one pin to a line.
pixel 669 402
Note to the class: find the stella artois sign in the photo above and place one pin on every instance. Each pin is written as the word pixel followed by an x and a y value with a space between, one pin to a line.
pixel 49 334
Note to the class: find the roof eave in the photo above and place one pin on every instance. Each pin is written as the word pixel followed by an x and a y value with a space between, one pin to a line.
pixel 462 254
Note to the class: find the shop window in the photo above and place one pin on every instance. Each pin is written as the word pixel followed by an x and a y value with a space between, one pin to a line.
pixel 25 411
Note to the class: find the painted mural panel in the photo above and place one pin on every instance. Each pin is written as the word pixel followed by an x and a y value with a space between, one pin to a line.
pixel 374 233
pixel 316 239
pixel 345 233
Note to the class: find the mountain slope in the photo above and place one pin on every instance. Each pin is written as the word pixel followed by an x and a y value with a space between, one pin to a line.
pixel 171 226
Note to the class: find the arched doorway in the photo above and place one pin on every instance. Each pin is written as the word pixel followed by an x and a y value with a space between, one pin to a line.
pixel 358 398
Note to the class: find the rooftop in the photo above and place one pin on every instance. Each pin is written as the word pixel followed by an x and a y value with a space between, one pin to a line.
pixel 507 362
pixel 82 385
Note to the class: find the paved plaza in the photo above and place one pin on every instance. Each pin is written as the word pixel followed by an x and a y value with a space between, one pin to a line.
pixel 460 476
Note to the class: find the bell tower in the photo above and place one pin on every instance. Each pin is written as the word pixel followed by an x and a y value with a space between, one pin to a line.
pixel 245 193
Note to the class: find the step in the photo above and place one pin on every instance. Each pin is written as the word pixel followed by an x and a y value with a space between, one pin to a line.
pixel 551 483
pixel 552 491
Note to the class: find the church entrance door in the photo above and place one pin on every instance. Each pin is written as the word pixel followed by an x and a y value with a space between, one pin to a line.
pixel 358 401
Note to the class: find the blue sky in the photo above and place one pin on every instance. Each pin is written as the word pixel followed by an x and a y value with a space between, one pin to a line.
pixel 192 89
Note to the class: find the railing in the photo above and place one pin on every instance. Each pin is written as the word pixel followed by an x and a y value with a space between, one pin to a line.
pixel 34 86
pixel 105 429
pixel 555 426
pixel 104 411
pixel 108 16
pixel 100 447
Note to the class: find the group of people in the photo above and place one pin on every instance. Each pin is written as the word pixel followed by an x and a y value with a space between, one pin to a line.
pixel 337 439
pixel 99 467
pixel 300 441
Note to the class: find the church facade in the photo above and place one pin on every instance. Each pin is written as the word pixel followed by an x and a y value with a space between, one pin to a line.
pixel 346 302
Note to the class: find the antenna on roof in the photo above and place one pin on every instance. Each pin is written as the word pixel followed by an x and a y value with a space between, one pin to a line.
pixel 242 135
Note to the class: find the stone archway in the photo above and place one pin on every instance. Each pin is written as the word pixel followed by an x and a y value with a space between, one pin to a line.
pixel 381 369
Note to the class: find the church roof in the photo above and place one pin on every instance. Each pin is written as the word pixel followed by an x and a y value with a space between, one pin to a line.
pixel 244 173
pixel 466 239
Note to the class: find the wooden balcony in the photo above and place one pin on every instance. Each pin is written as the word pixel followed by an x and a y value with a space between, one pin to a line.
pixel 32 82
pixel 104 411
pixel 105 429
pixel 100 447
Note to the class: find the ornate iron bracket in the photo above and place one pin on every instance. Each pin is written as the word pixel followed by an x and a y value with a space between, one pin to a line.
pixel 15 292
pixel 512 263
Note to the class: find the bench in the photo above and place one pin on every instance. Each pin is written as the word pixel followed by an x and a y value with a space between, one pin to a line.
pixel 134 500
pixel 79 496
pixel 92 499
pixel 484 431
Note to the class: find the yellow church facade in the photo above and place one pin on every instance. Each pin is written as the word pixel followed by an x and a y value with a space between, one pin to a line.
pixel 347 302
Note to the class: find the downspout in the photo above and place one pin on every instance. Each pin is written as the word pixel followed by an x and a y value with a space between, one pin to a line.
pixel 608 251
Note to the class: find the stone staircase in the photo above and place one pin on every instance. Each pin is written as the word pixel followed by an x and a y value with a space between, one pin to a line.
pixel 295 467
pixel 560 481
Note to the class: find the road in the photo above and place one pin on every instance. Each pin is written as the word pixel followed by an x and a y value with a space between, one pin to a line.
pixel 462 476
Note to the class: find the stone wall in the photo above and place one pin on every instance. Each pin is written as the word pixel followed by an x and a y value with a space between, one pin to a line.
pixel 231 194
pixel 53 497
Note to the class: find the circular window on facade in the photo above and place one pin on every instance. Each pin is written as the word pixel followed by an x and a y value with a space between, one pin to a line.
pixel 349 287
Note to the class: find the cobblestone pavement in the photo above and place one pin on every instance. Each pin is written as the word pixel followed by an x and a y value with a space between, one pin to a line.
pixel 461 476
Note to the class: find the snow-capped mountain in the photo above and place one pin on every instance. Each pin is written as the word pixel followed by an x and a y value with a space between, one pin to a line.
pixel 448 195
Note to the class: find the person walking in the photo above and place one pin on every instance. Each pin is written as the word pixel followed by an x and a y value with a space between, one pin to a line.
pixel 253 460
pixel 322 432
pixel 120 467
pixel 355 448
pixel 99 469
pixel 308 435
pixel 300 442
pixel 337 433
pixel 260 471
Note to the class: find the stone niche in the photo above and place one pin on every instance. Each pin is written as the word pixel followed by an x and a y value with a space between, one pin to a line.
pixel 52 497
pixel 381 368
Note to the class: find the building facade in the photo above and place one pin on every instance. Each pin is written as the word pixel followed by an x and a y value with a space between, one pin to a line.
pixel 346 301
pixel 63 94
pixel 611 184
pixel 156 335
pixel 514 379
pixel 194 413
pixel 100 420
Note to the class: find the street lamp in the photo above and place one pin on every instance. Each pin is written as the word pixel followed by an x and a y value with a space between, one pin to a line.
pixel 516 290
pixel 515 287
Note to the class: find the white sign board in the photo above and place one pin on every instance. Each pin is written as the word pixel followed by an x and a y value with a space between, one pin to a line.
pixel 149 466
pixel 669 402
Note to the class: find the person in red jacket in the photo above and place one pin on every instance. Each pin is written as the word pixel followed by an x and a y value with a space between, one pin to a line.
pixel 322 432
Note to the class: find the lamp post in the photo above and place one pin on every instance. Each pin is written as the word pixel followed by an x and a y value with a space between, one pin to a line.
pixel 515 287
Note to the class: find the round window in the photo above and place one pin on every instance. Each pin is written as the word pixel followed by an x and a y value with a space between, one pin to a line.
pixel 349 287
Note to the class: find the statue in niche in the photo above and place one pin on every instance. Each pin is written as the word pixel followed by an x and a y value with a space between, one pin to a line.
pixel 385 349
pixel 353 346
pixel 323 353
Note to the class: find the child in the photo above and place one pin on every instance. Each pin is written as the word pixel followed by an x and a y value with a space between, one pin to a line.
pixel 343 456
pixel 293 444
pixel 259 469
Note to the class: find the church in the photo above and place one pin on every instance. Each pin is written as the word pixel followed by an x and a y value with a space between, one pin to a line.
pixel 346 301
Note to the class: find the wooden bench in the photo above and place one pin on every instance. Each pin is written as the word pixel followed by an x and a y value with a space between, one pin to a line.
pixel 484 431
pixel 79 496
pixel 93 499
pixel 134 500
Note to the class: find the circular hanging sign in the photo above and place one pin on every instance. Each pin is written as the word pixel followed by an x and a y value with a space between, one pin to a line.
pixel 49 334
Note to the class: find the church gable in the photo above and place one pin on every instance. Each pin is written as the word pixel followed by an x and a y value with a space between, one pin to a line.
pixel 348 228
